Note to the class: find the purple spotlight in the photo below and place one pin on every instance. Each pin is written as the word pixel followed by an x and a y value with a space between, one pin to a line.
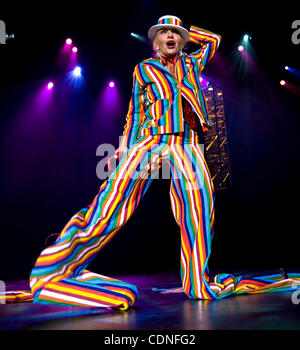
pixel 241 48
pixel 69 41
pixel 74 49
pixel 50 85
pixel 111 84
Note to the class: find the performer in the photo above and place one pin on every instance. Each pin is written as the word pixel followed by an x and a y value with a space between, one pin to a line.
pixel 166 118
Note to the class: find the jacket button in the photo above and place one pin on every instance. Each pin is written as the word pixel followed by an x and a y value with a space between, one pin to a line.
pixel 179 85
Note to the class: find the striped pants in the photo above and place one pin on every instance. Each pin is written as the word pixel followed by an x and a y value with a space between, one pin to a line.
pixel 60 275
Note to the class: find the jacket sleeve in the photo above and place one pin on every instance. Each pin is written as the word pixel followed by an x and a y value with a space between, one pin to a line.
pixel 209 43
pixel 136 110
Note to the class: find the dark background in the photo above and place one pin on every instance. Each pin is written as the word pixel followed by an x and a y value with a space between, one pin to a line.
pixel 48 157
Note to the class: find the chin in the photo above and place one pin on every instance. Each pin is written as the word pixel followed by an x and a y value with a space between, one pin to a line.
pixel 172 52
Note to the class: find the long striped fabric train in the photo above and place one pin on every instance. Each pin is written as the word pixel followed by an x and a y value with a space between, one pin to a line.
pixel 60 275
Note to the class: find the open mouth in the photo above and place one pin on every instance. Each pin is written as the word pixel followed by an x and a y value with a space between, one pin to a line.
pixel 171 44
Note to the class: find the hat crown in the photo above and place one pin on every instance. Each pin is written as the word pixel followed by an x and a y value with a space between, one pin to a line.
pixel 170 22
pixel 173 20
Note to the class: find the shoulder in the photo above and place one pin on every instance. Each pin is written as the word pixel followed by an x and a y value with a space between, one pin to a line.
pixel 140 71
pixel 140 66
pixel 147 61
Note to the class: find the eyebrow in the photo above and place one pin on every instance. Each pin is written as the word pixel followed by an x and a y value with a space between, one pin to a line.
pixel 172 29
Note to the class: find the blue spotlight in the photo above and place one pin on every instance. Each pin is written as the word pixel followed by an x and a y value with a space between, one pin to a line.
pixel 138 37
pixel 75 77
pixel 77 71
pixel 246 37
pixel 294 71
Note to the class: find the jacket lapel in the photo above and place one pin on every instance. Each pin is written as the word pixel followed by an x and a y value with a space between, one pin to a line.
pixel 156 64
pixel 182 67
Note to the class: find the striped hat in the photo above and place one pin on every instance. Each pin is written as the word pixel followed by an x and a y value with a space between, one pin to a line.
pixel 169 22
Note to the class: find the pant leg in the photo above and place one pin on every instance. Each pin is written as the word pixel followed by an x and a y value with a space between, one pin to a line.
pixel 90 230
pixel 192 201
pixel 89 290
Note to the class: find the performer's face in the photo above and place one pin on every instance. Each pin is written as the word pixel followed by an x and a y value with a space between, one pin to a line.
pixel 169 41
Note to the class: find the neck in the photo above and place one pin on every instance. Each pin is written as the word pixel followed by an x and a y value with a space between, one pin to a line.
pixel 169 63
pixel 166 60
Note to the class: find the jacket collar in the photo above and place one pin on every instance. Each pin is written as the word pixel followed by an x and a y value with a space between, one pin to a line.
pixel 158 65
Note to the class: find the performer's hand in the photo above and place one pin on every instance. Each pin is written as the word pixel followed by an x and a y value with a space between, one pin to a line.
pixel 119 153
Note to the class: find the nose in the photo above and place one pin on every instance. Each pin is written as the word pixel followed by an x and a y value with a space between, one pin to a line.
pixel 170 33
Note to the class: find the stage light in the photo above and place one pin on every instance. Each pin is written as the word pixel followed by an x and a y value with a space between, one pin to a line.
pixel 77 71
pixel 241 48
pixel 74 49
pixel 295 72
pixel 69 41
pixel 282 82
pixel 139 37
pixel 75 77
pixel 50 85
pixel 246 37
pixel 203 81
pixel 111 84
pixel 10 36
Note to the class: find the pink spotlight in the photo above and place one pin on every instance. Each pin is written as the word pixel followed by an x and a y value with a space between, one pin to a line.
pixel 69 41
pixel 50 85
pixel 241 48
pixel 74 49
pixel 282 82
pixel 111 84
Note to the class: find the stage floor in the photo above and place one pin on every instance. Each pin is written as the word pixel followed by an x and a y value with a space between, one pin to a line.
pixel 155 311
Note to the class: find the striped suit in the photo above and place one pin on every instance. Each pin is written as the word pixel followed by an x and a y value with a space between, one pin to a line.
pixel 156 134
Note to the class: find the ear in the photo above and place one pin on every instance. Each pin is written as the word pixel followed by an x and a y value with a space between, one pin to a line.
pixel 182 43
pixel 155 46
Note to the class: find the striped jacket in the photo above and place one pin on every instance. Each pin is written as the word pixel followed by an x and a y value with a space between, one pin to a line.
pixel 155 106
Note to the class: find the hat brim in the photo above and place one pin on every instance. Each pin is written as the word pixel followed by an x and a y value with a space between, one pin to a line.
pixel 183 32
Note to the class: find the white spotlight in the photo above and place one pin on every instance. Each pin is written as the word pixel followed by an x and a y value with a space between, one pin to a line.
pixel 77 71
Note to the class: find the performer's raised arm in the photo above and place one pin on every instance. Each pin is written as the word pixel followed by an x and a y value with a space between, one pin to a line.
pixel 209 43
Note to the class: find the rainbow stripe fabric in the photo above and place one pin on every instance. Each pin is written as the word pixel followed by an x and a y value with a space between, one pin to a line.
pixel 170 20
